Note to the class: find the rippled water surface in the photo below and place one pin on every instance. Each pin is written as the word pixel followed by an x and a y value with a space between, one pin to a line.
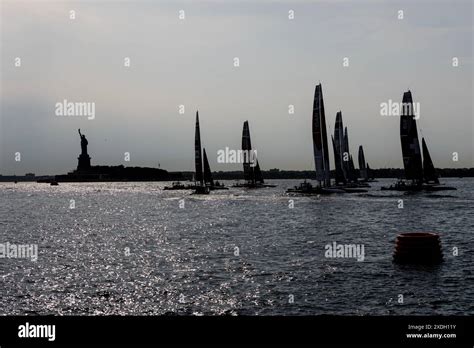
pixel 231 252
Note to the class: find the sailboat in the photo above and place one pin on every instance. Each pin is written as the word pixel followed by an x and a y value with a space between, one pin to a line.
pixel 320 151
pixel 418 175
pixel 320 141
pixel 200 187
pixel 252 173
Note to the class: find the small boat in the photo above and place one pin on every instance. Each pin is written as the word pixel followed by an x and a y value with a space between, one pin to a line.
pixel 252 174
pixel 54 183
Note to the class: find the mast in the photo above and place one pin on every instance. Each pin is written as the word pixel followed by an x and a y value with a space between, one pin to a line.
pixel 207 170
pixel 249 176
pixel 362 167
pixel 320 141
pixel 197 152
pixel 429 172
pixel 409 141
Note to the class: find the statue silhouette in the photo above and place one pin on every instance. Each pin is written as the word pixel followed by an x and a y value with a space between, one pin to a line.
pixel 84 143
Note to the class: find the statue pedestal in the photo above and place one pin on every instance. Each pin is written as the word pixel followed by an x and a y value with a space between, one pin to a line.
pixel 84 163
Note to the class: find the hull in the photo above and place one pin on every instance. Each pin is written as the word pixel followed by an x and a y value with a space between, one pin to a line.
pixel 201 190
pixel 417 188
pixel 253 186
pixel 308 189
pixel 175 188
pixel 316 191
pixel 404 188
pixel 438 188
pixel 214 188
pixel 354 190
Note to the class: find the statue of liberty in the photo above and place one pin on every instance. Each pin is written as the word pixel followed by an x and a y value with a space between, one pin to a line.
pixel 84 143
pixel 84 163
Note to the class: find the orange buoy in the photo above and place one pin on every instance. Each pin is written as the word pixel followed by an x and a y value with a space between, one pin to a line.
pixel 418 248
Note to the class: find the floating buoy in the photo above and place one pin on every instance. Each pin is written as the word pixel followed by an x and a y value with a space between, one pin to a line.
pixel 418 248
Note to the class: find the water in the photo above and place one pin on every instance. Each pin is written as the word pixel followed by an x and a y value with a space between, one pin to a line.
pixel 185 260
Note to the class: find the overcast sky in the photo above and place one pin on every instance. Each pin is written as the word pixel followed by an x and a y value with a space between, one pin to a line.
pixel 191 62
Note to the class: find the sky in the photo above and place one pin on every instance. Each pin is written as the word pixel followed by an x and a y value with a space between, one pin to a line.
pixel 190 62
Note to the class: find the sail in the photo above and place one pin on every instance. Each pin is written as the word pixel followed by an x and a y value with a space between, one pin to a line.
pixel 207 170
pixel 429 172
pixel 362 167
pixel 370 175
pixel 258 174
pixel 352 171
pixel 320 141
pixel 341 176
pixel 409 141
pixel 197 152
pixel 339 173
pixel 247 148
pixel 346 155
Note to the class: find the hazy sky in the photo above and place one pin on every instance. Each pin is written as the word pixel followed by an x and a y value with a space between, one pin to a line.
pixel 190 62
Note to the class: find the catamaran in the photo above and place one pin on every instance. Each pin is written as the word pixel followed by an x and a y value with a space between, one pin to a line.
pixel 252 174
pixel 200 187
pixel 418 175
pixel 202 178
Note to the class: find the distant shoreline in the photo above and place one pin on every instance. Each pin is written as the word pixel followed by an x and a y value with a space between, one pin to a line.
pixel 267 174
